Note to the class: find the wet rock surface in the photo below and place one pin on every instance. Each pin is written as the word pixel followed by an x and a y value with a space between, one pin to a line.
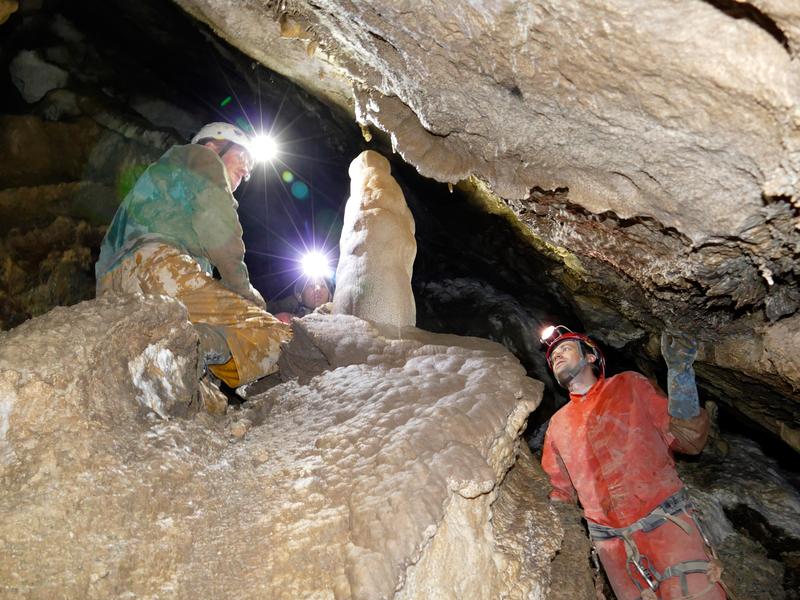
pixel 749 505
pixel 337 486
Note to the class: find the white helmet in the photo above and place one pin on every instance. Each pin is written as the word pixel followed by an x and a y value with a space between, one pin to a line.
pixel 225 132
pixel 222 131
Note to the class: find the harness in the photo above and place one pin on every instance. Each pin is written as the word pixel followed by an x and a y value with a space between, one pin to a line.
pixel 678 503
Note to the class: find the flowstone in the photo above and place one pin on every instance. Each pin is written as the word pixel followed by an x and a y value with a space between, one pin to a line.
pixel 351 483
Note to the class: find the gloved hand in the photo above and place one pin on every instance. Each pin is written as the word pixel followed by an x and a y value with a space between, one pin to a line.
pixel 679 352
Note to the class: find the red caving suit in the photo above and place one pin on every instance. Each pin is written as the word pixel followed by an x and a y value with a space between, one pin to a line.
pixel 613 446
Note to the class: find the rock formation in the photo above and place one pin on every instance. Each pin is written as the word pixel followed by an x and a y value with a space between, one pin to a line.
pixel 375 476
pixel 750 507
pixel 60 183
pixel 648 163
pixel 7 8
pixel 377 247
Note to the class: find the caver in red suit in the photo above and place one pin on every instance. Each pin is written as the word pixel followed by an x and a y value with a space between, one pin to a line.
pixel 611 449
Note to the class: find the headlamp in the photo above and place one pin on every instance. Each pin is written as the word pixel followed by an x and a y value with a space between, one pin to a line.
pixel 263 148
pixel 315 265
pixel 552 333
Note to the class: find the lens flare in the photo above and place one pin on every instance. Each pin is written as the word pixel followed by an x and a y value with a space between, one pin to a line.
pixel 299 190
pixel 263 148
pixel 243 124
pixel 315 264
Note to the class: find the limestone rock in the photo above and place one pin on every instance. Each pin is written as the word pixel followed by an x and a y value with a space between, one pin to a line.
pixel 749 572
pixel 7 8
pixel 60 185
pixel 746 476
pixel 127 356
pixel 45 266
pixel 340 486
pixel 211 398
pixel 34 77
pixel 749 507
pixel 486 90
pixel 165 115
pixel 377 247
pixel 766 386
pixel 766 349
pixel 35 152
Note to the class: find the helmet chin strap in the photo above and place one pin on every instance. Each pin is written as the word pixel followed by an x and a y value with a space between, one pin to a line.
pixel 224 148
pixel 565 377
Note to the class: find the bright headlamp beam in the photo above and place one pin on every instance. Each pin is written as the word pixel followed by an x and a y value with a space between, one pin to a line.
pixel 548 332
pixel 263 148
pixel 553 333
pixel 315 265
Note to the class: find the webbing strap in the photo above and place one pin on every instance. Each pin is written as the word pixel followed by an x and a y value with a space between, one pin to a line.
pixel 677 503
pixel 660 513
pixel 653 577
pixel 683 568
pixel 666 511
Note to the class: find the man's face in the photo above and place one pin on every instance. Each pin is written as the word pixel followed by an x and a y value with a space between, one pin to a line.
pixel 315 294
pixel 238 164
pixel 565 357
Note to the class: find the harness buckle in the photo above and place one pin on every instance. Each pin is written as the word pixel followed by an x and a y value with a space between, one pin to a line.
pixel 645 571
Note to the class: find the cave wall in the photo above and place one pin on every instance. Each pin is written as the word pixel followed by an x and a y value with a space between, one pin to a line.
pixel 68 154
pixel 91 93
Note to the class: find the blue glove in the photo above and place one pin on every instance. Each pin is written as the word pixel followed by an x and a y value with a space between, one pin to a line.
pixel 679 352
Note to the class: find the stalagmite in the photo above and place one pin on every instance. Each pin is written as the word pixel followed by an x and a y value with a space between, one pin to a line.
pixel 377 247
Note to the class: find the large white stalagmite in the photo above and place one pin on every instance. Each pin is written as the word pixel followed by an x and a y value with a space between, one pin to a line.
pixel 377 247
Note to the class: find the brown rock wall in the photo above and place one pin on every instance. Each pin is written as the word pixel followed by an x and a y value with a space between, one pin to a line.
pixel 35 152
